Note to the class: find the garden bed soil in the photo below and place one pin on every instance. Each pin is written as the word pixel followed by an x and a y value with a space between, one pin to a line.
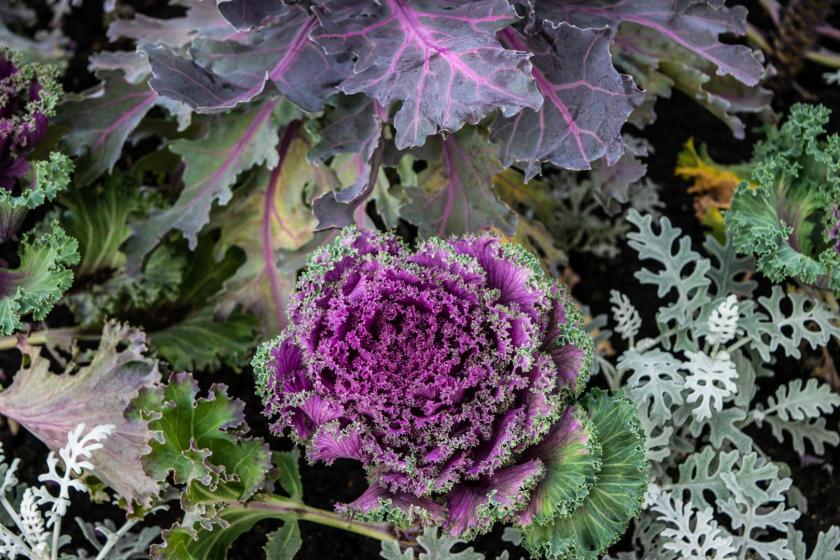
pixel 678 119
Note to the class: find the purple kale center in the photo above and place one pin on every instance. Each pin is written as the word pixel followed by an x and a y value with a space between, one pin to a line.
pixel 22 123
pixel 430 367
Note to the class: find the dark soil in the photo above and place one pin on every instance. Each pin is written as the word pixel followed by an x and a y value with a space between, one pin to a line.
pixel 679 118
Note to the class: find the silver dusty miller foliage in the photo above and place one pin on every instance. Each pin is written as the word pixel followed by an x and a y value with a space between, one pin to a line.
pixel 31 517
pixel 714 493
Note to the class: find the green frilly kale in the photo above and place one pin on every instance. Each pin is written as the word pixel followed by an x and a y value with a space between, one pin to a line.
pixel 34 268
pixel 787 217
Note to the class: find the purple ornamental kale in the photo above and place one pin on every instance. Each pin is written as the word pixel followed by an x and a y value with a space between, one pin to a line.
pixel 446 371
pixel 834 234
pixel 23 120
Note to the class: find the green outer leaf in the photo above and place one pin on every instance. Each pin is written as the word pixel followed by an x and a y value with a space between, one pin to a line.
pixel 99 121
pixel 201 442
pixel 123 294
pixel 203 342
pixel 284 543
pixel 784 216
pixel 48 178
pixel 287 472
pixel 208 268
pixel 98 219
pixel 182 543
pixel 236 142
pixel 571 465
pixel 617 495
pixel 42 277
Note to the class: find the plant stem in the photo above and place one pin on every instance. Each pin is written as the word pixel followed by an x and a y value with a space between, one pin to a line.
pixel 56 537
pixel 825 57
pixel 39 338
pixel 286 506
pixel 114 538
pixel 35 339
pixel 756 37
pixel 270 214
pixel 738 344
pixel 18 542
pixel 12 513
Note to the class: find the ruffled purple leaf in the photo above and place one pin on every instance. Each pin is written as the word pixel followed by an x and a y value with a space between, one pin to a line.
pixel 694 25
pixel 475 506
pixel 23 120
pixel 440 60
pixel 331 443
pixel 586 101
pixel 377 502
pixel 565 343
pixel 834 233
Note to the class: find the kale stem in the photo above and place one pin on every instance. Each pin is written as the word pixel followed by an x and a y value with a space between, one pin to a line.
pixel 757 38
pixel 825 57
pixel 39 338
pixel 287 506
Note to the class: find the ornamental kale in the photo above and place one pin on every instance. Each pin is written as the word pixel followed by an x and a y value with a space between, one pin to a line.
pixel 28 94
pixel 554 82
pixel 453 374
pixel 23 119
pixel 787 217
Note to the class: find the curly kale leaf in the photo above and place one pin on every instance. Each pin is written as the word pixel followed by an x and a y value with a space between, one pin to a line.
pixel 43 275
pixel 785 218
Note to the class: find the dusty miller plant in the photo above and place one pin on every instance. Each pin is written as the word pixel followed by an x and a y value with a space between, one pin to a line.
pixel 31 517
pixel 714 492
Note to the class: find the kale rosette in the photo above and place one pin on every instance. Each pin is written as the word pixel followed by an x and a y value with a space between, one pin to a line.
pixel 454 374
